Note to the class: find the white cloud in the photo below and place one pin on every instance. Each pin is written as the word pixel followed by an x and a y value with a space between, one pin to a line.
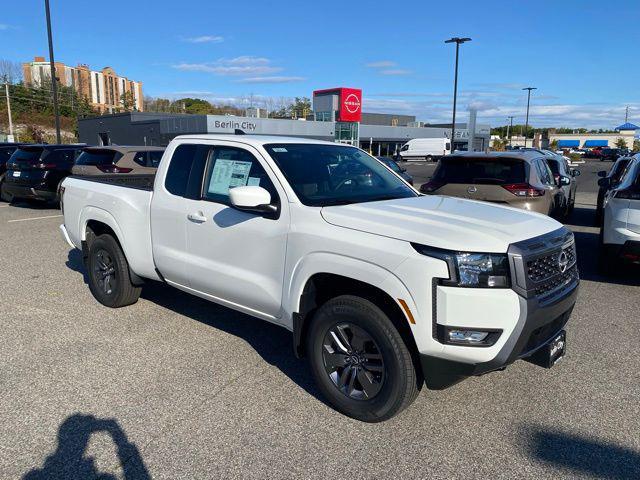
pixel 381 64
pixel 205 39
pixel 395 71
pixel 272 79
pixel 244 65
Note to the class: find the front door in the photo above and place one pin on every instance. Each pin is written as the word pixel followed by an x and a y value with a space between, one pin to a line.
pixel 237 257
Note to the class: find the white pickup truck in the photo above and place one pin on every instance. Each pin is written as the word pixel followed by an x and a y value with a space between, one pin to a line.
pixel 384 289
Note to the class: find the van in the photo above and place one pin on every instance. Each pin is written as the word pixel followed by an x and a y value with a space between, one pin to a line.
pixel 425 148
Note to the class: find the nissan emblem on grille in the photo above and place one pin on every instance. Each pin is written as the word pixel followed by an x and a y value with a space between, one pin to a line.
pixel 563 261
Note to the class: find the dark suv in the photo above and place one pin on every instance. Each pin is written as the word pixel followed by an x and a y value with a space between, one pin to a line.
pixel 36 171
pixel 6 150
pixel 610 154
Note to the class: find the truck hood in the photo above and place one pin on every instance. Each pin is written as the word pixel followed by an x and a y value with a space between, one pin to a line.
pixel 443 222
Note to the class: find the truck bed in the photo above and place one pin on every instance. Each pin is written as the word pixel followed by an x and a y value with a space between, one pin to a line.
pixel 121 202
pixel 141 182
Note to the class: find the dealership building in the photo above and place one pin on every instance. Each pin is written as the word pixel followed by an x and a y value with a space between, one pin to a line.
pixel 337 116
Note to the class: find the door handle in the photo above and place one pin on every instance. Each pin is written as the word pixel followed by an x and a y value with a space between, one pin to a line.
pixel 197 217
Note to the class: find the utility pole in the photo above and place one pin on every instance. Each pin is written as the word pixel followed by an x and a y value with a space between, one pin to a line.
pixel 626 115
pixel 510 129
pixel 54 82
pixel 526 123
pixel 6 89
pixel 457 41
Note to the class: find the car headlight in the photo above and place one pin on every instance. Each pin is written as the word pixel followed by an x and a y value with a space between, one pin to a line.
pixel 478 270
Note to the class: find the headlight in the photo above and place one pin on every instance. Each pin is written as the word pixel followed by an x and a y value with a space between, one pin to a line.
pixel 479 270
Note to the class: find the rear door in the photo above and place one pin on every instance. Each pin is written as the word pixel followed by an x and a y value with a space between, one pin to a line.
pixel 95 162
pixel 234 256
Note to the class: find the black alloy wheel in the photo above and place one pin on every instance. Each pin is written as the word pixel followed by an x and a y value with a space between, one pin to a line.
pixel 104 270
pixel 353 361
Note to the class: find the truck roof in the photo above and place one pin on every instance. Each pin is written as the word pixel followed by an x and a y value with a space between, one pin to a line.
pixel 255 140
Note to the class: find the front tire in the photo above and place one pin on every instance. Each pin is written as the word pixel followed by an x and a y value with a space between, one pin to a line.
pixel 109 279
pixel 359 360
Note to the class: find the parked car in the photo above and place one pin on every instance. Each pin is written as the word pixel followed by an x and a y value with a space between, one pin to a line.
pixel 393 165
pixel 608 181
pixel 6 150
pixel 561 171
pixel 610 154
pixel 620 231
pixel 111 160
pixel 595 152
pixel 520 179
pixel 356 271
pixel 36 172
pixel 425 149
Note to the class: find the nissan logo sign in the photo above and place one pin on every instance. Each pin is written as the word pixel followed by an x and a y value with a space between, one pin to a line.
pixel 352 103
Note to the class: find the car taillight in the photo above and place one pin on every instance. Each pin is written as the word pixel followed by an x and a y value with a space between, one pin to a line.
pixel 431 186
pixel 113 169
pixel 523 190
pixel 627 194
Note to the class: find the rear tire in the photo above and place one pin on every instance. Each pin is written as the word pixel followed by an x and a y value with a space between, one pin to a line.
pixel 4 195
pixel 109 279
pixel 429 158
pixel 359 360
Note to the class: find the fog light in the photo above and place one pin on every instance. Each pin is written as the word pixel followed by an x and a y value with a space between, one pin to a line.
pixel 467 336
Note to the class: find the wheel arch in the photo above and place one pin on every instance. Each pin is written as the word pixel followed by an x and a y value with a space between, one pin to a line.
pixel 322 286
pixel 96 224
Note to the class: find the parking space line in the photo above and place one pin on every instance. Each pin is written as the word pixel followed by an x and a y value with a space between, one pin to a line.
pixel 32 218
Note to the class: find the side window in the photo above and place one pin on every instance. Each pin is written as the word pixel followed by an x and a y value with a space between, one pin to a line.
pixel 179 168
pixel 544 172
pixel 154 159
pixel 231 167
pixel 140 158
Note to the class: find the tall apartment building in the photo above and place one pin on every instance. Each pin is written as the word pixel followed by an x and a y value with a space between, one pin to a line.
pixel 103 89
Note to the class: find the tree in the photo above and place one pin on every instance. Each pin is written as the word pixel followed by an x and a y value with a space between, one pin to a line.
pixel 636 145
pixel 621 143
pixel 554 145
pixel 300 107
pixel 500 144
pixel 128 101
pixel 10 72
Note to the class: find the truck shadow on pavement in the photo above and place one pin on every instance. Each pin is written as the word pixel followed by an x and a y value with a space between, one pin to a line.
pixel 273 343
pixel 69 460
pixel 582 455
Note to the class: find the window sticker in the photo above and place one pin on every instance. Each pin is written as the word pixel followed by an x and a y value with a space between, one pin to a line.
pixel 228 174
pixel 279 149
pixel 253 182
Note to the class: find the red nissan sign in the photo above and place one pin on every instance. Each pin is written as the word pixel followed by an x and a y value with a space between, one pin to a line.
pixel 350 105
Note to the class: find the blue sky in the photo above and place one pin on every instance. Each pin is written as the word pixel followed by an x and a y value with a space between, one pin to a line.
pixel 582 55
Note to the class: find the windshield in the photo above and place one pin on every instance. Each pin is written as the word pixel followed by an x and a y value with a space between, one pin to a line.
pixel 27 154
pixel 323 175
pixel 390 163
pixel 489 171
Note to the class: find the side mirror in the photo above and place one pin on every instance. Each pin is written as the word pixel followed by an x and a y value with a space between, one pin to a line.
pixel 575 173
pixel 604 182
pixel 252 199
pixel 564 181
pixel 602 173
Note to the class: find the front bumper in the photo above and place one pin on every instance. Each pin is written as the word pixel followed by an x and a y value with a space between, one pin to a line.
pixel 538 324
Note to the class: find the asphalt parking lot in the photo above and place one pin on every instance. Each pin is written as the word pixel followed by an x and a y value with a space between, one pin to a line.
pixel 176 387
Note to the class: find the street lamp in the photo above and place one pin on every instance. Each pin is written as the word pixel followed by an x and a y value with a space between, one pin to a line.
pixel 510 129
pixel 526 123
pixel 457 41
pixel 53 72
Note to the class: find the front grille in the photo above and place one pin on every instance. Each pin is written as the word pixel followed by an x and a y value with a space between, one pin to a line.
pixel 545 266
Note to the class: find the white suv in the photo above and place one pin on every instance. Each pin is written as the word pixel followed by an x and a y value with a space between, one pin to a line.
pixel 620 233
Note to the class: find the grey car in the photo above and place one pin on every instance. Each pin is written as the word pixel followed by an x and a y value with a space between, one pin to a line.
pixel 115 159
pixel 393 165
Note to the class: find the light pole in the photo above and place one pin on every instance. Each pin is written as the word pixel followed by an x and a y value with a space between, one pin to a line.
pixel 526 123
pixel 509 129
pixel 53 72
pixel 457 41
